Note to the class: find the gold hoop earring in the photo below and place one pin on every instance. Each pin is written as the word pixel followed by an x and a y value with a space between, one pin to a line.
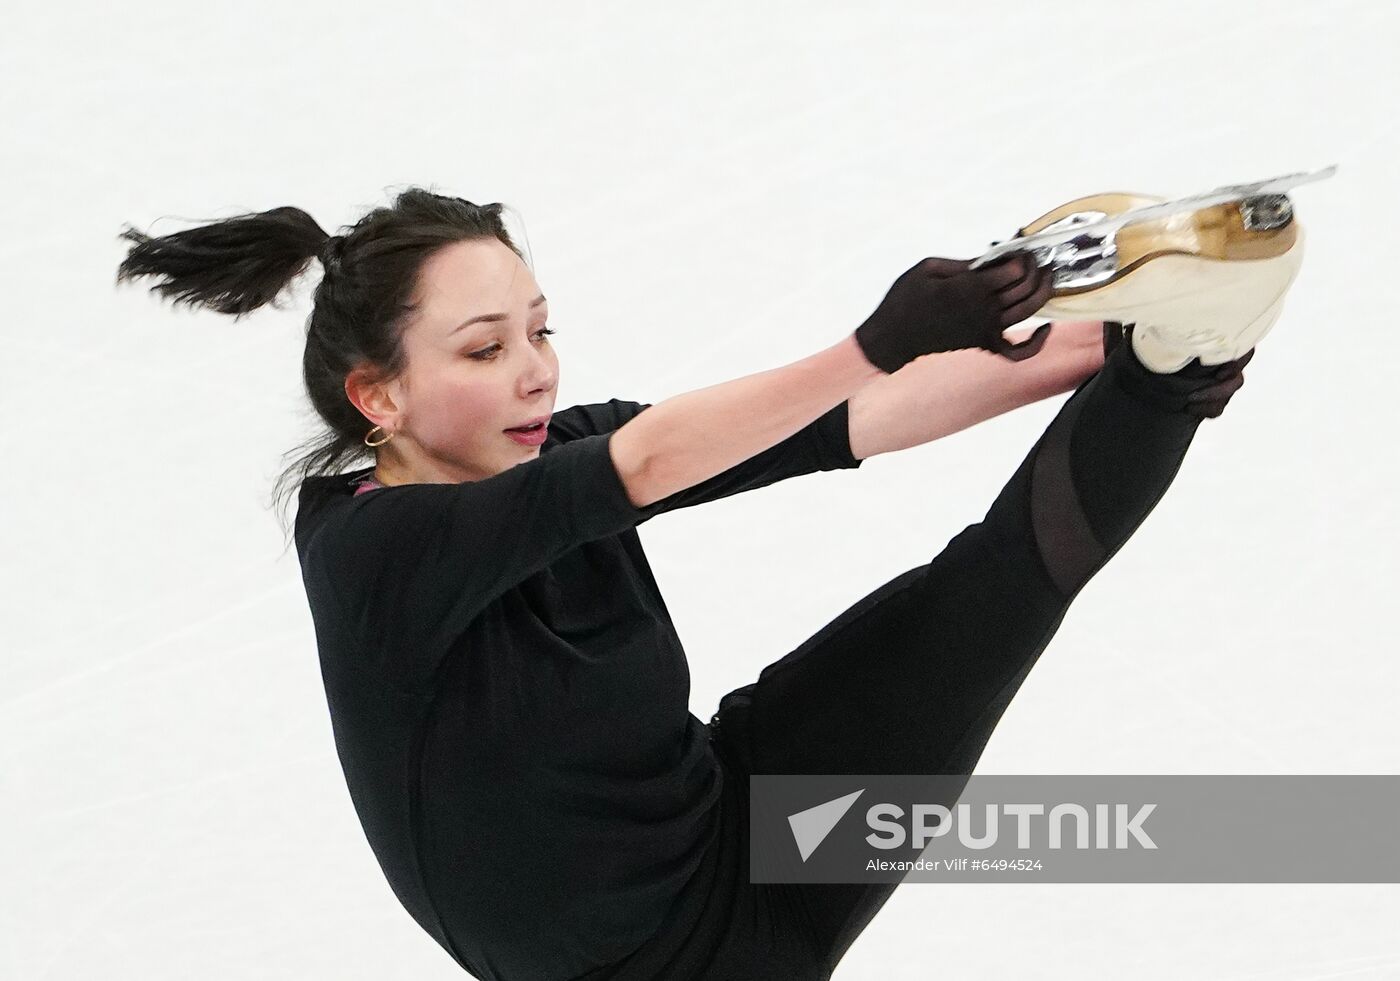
pixel 380 442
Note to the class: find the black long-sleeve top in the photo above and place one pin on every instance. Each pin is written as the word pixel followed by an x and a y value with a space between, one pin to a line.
pixel 510 701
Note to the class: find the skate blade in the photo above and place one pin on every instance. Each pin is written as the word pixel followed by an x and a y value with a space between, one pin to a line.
pixel 1087 225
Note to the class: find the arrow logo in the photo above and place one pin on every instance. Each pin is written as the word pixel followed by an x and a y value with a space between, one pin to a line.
pixel 810 827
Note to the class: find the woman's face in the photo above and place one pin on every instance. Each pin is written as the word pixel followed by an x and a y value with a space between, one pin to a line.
pixel 467 382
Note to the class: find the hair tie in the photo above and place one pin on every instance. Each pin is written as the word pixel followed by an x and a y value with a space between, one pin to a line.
pixel 331 251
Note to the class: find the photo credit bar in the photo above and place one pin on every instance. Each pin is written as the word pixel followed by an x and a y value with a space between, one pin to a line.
pixel 1073 828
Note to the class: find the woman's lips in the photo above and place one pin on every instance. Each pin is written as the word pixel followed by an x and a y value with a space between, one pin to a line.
pixel 533 437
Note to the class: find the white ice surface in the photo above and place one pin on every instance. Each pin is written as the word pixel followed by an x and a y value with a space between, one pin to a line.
pixel 710 190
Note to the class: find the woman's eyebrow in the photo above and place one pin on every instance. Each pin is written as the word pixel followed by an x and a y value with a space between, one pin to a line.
pixel 494 316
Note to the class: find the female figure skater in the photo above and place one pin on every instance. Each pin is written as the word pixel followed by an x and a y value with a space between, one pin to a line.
pixel 508 694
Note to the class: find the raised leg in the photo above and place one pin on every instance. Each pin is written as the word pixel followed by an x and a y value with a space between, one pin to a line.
pixel 914 677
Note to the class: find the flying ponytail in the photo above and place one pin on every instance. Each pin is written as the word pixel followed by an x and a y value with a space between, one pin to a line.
pixel 233 266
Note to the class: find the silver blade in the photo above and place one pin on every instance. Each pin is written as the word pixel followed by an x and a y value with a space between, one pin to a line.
pixel 1194 202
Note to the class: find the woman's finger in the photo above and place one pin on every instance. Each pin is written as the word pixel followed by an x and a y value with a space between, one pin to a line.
pixel 1019 290
pixel 940 268
pixel 1007 271
pixel 1045 285
pixel 1209 403
pixel 1222 389
pixel 1231 367
pixel 1028 348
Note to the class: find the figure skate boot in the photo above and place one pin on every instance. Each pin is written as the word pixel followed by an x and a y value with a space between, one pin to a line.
pixel 1201 277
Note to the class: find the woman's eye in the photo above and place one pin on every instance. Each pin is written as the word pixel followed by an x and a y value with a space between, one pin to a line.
pixel 489 353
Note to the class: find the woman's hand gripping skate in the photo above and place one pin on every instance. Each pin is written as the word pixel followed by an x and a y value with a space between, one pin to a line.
pixel 1196 389
pixel 942 305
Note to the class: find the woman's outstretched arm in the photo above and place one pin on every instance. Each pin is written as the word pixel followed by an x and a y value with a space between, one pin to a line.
pixel 937 305
pixel 940 394
pixel 689 438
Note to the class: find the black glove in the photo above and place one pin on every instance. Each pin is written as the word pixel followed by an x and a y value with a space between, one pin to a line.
pixel 1201 390
pixel 942 305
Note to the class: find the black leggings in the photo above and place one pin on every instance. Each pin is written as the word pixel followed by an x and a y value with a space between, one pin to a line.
pixel 914 677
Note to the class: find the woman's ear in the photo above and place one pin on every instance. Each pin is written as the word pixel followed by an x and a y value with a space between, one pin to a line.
pixel 368 393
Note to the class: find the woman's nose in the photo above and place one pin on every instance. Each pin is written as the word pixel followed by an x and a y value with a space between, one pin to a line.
pixel 539 370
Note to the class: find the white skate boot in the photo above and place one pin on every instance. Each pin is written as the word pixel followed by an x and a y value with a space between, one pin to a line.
pixel 1201 277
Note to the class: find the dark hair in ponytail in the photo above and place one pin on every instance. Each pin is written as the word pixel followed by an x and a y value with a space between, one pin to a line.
pixel 359 309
